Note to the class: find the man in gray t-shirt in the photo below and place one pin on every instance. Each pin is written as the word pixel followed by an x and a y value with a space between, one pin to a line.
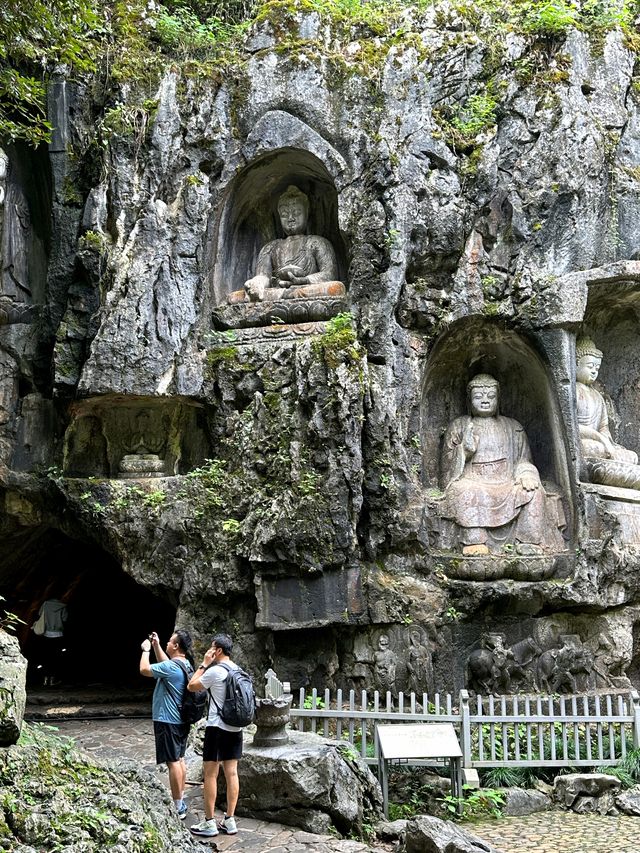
pixel 222 742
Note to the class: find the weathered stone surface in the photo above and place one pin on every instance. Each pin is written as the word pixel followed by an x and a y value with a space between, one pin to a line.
pixel 519 801
pixel 587 792
pixel 64 798
pixel 628 802
pixel 13 695
pixel 461 252
pixel 431 835
pixel 309 782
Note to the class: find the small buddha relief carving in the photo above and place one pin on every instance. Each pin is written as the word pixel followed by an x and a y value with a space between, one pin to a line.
pixel 145 449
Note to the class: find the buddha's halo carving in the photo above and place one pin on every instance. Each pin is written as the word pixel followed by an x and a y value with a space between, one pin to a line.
pixel 280 256
pixel 495 462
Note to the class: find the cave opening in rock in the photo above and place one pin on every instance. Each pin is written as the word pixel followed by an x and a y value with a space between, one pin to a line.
pixel 108 613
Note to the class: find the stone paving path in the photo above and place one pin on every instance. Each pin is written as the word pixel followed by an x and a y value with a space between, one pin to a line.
pixel 562 832
pixel 545 832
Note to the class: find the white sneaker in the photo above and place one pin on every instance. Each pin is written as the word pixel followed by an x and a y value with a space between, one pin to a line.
pixel 228 825
pixel 206 828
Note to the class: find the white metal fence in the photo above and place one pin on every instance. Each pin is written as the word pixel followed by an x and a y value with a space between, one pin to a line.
pixel 535 731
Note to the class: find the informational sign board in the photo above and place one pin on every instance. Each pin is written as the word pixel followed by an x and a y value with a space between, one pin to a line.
pixel 418 743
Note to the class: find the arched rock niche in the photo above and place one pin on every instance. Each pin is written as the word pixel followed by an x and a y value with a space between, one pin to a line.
pixel 526 394
pixel 249 216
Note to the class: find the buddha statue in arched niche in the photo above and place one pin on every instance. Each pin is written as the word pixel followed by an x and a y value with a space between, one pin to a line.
pixel 605 462
pixel 493 493
pixel 297 261
pixel 295 278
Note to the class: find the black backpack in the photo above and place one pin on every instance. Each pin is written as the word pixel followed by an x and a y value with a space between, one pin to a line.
pixel 193 705
pixel 239 706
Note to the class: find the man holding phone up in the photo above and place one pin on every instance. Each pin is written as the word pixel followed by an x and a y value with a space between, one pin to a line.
pixel 169 730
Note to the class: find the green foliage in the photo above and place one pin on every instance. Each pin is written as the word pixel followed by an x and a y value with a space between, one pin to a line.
pixel 631 764
pixel 348 752
pixel 182 31
pixel 9 621
pixel 475 804
pixel 309 703
pixel 154 499
pixel 550 19
pixel 339 343
pixel 628 772
pixel 477 115
pixel 35 36
pixel 508 777
pixel 452 614
pixel 625 778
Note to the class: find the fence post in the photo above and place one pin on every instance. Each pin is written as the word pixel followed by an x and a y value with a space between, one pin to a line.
pixel 465 728
pixel 635 701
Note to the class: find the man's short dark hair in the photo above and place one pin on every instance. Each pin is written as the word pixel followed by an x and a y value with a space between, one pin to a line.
pixel 224 642
pixel 183 638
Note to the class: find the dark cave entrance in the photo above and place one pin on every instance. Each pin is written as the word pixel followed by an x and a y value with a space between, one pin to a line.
pixel 109 614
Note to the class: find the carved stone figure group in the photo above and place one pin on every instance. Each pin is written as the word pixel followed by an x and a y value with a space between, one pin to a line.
pixel 496 669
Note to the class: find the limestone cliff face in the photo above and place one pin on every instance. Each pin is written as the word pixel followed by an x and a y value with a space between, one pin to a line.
pixel 484 204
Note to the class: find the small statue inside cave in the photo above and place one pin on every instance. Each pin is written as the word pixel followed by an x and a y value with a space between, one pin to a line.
pixel 493 492
pixel 605 461
pixel 290 265
pixel 144 447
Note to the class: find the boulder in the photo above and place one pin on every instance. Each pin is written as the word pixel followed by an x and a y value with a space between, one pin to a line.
pixel 64 799
pixel 391 830
pixel 310 782
pixel 13 695
pixel 587 792
pixel 426 834
pixel 628 802
pixel 520 801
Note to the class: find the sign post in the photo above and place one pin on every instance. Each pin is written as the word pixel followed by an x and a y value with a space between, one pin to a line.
pixel 416 744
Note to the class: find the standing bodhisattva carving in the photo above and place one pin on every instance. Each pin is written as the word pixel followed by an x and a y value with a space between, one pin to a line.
pixel 606 462
pixel 493 491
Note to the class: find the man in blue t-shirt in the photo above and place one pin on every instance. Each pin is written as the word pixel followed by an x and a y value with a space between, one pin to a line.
pixel 169 730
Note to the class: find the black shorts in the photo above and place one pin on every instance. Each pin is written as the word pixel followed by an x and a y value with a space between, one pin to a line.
pixel 221 745
pixel 171 741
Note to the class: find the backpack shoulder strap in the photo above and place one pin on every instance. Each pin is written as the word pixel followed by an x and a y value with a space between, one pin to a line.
pixel 184 671
pixel 228 669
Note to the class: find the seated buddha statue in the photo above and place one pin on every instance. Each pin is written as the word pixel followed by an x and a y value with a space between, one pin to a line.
pixel 143 458
pixel 300 265
pixel 605 462
pixel 492 489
